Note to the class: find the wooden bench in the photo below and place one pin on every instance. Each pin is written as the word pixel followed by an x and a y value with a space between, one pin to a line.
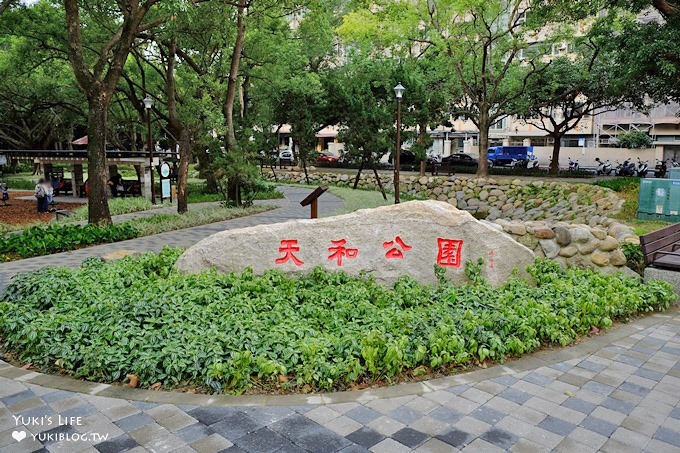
pixel 63 213
pixel 661 248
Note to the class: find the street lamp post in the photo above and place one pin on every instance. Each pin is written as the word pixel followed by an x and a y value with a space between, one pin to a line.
pixel 398 92
pixel 148 102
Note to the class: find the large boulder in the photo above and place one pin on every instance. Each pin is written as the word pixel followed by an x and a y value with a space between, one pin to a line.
pixel 387 242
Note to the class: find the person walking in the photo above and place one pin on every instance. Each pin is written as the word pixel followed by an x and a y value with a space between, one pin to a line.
pixel 41 195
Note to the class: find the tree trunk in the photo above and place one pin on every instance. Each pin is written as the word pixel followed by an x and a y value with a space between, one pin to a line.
pixel 555 163
pixel 484 124
pixel 205 170
pixel 183 172
pixel 178 130
pixel 97 194
pixel 228 108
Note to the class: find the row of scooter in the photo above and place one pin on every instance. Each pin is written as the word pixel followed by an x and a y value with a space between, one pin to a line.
pixel 629 168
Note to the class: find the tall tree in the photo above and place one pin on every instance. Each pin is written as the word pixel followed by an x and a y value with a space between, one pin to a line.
pixel 482 40
pixel 97 75
pixel 585 84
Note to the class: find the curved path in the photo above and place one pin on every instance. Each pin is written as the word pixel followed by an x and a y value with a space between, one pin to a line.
pixel 288 208
pixel 617 392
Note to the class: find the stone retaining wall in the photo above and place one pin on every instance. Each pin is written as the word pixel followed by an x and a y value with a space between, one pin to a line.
pixel 562 221
pixel 490 198
pixel 596 245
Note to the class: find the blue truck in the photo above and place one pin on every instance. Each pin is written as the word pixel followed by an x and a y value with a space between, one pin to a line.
pixel 510 155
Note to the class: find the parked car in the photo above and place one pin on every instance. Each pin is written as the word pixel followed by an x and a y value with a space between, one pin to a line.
pixel 460 159
pixel 286 154
pixel 325 157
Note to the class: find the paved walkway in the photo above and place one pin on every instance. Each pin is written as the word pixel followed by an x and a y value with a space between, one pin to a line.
pixel 615 393
pixel 289 208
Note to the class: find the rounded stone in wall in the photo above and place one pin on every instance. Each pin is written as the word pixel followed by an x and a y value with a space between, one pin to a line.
pixel 608 244
pixel 617 258
pixel 562 235
pixel 600 258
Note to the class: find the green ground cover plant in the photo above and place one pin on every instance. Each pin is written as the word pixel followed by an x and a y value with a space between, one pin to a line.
pixel 42 240
pixel 323 331
pixel 37 240
pixel 161 223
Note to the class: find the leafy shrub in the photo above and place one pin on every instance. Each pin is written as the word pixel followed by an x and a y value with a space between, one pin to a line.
pixel 37 240
pixel 634 257
pixel 321 331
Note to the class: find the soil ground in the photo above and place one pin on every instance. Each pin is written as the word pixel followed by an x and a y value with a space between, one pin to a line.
pixel 21 212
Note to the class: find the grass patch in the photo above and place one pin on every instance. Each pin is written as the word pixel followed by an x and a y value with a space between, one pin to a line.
pixel 628 188
pixel 209 214
pixel 117 206
pixel 358 199
pixel 322 331
pixel 20 182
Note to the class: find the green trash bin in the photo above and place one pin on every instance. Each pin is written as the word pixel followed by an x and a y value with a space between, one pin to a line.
pixel 654 199
pixel 674 202
pixel 674 173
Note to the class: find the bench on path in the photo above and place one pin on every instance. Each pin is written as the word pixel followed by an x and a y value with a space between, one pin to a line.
pixel 661 248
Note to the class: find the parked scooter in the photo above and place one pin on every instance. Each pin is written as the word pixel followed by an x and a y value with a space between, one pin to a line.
pixel 573 165
pixel 603 168
pixel 675 163
pixel 627 168
pixel 532 163
pixel 642 168
pixel 660 169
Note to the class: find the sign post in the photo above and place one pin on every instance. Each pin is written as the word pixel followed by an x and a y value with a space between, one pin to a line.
pixel 312 199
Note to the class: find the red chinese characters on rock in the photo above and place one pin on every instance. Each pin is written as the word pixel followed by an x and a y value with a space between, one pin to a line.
pixel 287 247
pixel 449 252
pixel 339 251
pixel 394 252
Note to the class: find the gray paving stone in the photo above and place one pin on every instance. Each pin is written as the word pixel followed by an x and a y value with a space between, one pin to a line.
pixel 56 396
pixel 353 449
pixel 264 440
pixel 119 444
pixel 456 437
pixel 675 413
pixel 362 414
pixel 669 436
pixel 599 426
pixel 17 398
pixel 365 437
pixel 591 366
pixel 618 405
pixel 458 389
pixel 446 415
pixel 134 422
pixel 235 426
pixel 194 432
pixel 563 367
pixel 598 387
pixel 514 395
pixel 488 415
pixel 308 434
pixel 578 404
pixel 500 438
pixel 410 437
pixel 505 380
pixel 557 426
pixel 405 415
pixel 210 415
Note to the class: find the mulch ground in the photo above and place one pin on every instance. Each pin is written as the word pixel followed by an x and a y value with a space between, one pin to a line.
pixel 20 212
